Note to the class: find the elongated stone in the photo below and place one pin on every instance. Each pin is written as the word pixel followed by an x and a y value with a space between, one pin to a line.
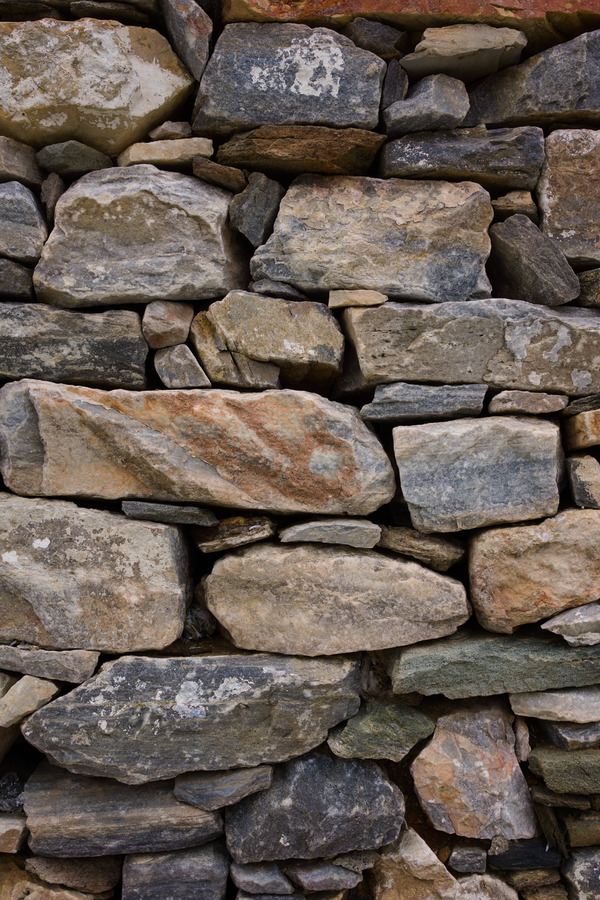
pixel 567 771
pixel 260 878
pixel 580 705
pixel 321 875
pixel 169 513
pixel 468 52
pixel 168 154
pixel 143 719
pixel 59 665
pixel 570 736
pixel 435 550
pixel 213 790
pixel 380 730
pixel 579 627
pixel 205 446
pixel 528 403
pixel 190 29
pixel 22 227
pixel 101 873
pixel 233 532
pixel 313 600
pixel 404 402
pixel 196 874
pixel 359 533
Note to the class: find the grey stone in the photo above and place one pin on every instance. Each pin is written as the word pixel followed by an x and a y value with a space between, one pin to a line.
pixel 253 211
pixel 468 52
pixel 590 288
pixel 213 790
pixel 71 159
pixel 357 860
pixel 378 37
pixel 317 806
pixel 169 513
pixel 567 771
pixel 53 187
pixel 166 324
pixel 404 402
pixel 570 736
pixel 196 874
pixel 380 730
pixel 358 533
pixel 579 627
pixel 590 403
pixel 473 472
pixel 498 158
pixel 478 665
pixel 582 874
pixel 236 531
pixel 525 264
pixel 515 203
pixel 101 873
pixel 18 163
pixel 100 349
pixel 224 367
pixel 171 131
pixel 70 815
pixel 409 239
pixel 22 227
pixel 287 74
pixel 395 84
pixel 468 859
pixel 260 878
pixel 435 103
pixel 16 281
pixel 321 875
pixel 580 705
pixel 528 403
pixel 190 30
pixel 177 368
pixel 74 666
pixel 143 719
pixel 11 793
pixel 435 550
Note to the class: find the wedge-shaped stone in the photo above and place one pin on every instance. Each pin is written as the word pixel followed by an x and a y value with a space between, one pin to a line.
pixel 524 574
pixel 284 75
pixel 24 697
pixel 312 600
pixel 143 719
pixel 527 403
pixel 409 239
pixel 69 815
pixel 108 226
pixel 503 343
pixel 570 736
pixel 205 446
pixel 88 579
pixel 196 874
pixel 127 80
pixel 410 869
pixel 190 29
pixel 61 665
pixel 212 790
pixel 467 52
pixel 579 627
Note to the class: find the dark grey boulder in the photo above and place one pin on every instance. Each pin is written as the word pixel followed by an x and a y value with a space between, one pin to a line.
pixel 434 103
pixel 395 84
pixel 529 854
pixel 168 512
pixel 321 875
pixel 195 874
pixel 190 30
pixel 253 211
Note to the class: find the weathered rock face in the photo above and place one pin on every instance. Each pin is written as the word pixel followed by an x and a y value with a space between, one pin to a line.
pixel 217 447
pixel 579 627
pixel 409 239
pixel 24 697
pixel 183 874
pixel 127 80
pixel 88 579
pixel 192 713
pixel 527 403
pixel 260 878
pixel 62 665
pixel 580 705
pixel 360 533
pixel 435 103
pixel 15 882
pixel 101 873
pixel 253 211
pixel 583 429
pixel 190 29
pixel 213 790
pixel 437 551
pixel 107 228
pixel 467 52
pixel 22 227
pixel 567 771
pixel 582 873
pixel 380 731
pixel 312 600
pixel 405 402
pixel 284 75
pixel 408 868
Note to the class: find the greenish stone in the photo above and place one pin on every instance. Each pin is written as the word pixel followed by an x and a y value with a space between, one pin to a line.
pixel 567 771
pixel 583 830
pixel 381 731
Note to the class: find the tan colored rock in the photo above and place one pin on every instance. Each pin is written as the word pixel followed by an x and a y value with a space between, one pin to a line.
pixel 62 665
pixel 224 367
pixel 15 883
pixel 171 131
pixel 24 697
pixel 236 531
pixel 408 869
pixel 339 299
pixel 166 324
pixel 435 550
pixel 166 154
pixel 527 403
pixel 94 80
pixel 227 177
pixel 208 446
pixel 486 887
pixel 13 832
pixel 529 572
pixel 580 705
pixel 101 873
pixel 467 52
pixel 583 430
pixel 18 163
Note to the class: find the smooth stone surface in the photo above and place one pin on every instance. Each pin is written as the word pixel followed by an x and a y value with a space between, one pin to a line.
pixel 190 30
pixel 16 281
pixel 260 878
pixel 380 730
pixel 167 154
pixel 233 532
pixel 583 472
pixel 100 349
pixel 437 551
pixel 410 239
pixel 408 868
pixel 198 446
pixel 467 52
pixel 404 402
pixel 341 299
pixel 178 368
pixel 384 40
pixel 568 771
pixel 70 815
pixel 253 211
pixel 514 203
pixel 18 163
pixel 24 697
pixel 322 876
pixel 317 806
pixel 284 75
pixel 213 790
pixel 435 103
pixel 583 430
pixel 568 736
pixel 169 513
pixel 529 403
pixel 196 874
pixel 312 600
pixel 166 324
pixel 579 627
pixel 212 712
pixel 472 472
pixel 128 80
pixel 142 208
pixel 360 533
pixel 590 288
pixel 22 226
pixel 524 574
pixel 580 705
pixel 71 159
pixel 61 665
pixel 497 158
pixel 95 874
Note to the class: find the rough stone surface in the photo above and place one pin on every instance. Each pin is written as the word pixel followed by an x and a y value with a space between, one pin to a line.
pixel 99 874
pixel 313 600
pixel 216 447
pixel 437 551
pixel 60 665
pixel 590 288
pixel 569 736
pixel 579 627
pixel 515 203
pixel 13 832
pixel 17 883
pixel 568 771
pixel 527 573
pixel 360 533
pixel 170 131
pixel 322 876
pixel 582 873
pixel 341 299
pixel 213 712
pixel 467 52
pixel 410 239
pixel 70 159
pixel 177 368
pixel 213 790
pixel 11 793
pixel 404 402
pixel 16 281
pixel 53 187
pixel 195 874
pixel 580 705
pixel 227 177
pixel 190 30
pixel 166 324
pixel 583 430
pixel 260 878
pixel 167 154
pixel 384 40
pixel 110 258
pixel 89 579
pixel 18 163
pixel 317 806
pixel 22 227
pixel 584 479
pixel 253 211
pixel 468 858
pixel 169 513
pixel 486 887
pixel 380 730
pixel 527 403
pixel 24 697
pixel 409 869
pixel 233 532
pixel 286 75
pixel 435 103
pixel 395 84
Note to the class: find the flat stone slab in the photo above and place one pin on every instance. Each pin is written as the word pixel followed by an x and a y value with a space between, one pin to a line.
pixel 169 154
pixel 234 532
pixel 200 872
pixel 185 714
pixel 567 771
pixel 321 875
pixel 570 736
pixel 580 705
pixel 312 600
pixel 579 627
pixel 409 239
pixel 468 52
pixel 213 790
pixel 528 403
pixel 435 550
pixel 101 873
pixel 60 665
pixel 380 730
pixel 260 878
pixel 205 446
pixel 169 513
pixel 359 533
pixel 405 402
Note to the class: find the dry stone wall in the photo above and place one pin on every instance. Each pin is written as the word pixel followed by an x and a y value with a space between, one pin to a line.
pixel 300 450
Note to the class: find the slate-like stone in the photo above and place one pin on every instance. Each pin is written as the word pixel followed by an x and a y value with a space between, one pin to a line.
pixel 253 211
pixel 71 159
pixel 100 349
pixel 95 259
pixel 178 368
pixel 468 52
pixel 22 227
pixel 317 806
pixel 568 771
pixel 16 281
pixel 515 203
pixel 381 730
pixel 583 472
pixel 579 627
pixel 89 579
pixel 101 873
pixel 312 600
pixel 410 869
pixel 524 574
pixel 583 829
pixel 169 513
pixel 206 446
pixel 227 177
pixel 18 163
pixel 582 874
pixel 321 875
pixel 478 665
pixel 580 705
pixel 498 158
pixel 545 797
pixel 166 324
pixel 359 533
pixel 287 75
pixel 378 37
pixel 53 187
pixel 435 103
pixel 473 472
pixel 59 665
pixel 70 815
pixel 260 878
pixel 167 154
pixel 583 429
pixel 404 402
pixel 435 550
pixel 410 239
pixel 143 719
pixel 590 288
pixel 190 29
pixel 395 84
pixel 466 858
pixel 213 790
pixel 236 531
pixel 503 343
pixel 196 874
pixel 570 736
pixel 529 403
pixel 128 80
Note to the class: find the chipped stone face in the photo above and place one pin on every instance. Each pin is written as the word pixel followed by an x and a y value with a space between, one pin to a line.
pixel 405 402
pixel 22 227
pixel 435 103
pixel 360 533
pixel 177 368
pixel 579 705
pixel 200 872
pixel 380 730
pixel 190 30
pixel 583 430
pixel 579 627
pixel 213 790
pixel 166 324
pixel 468 52
pixel 18 163
pixel 409 869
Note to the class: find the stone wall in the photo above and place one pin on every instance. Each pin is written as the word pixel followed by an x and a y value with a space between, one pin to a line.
pixel 299 429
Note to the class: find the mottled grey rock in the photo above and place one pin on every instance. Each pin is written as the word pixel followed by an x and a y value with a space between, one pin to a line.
pixel 70 815
pixel 404 402
pixel 357 860
pixel 287 74
pixel 166 324
pixel 212 790
pixel 467 52
pixel 498 158
pixel 378 37
pixel 567 771
pixel 469 859
pixel 60 665
pixel 224 367
pixel 579 627
pixel 435 103
pixel 580 705
pixel 171 131
pixel 16 281
pixel 253 211
pixel 395 84
pixel 167 154
pixel 590 403
pixel 473 472
pixel 11 793
pixel 528 403
pixel 380 730
pixel 236 531
pixel 317 806
pixel 71 159
pixel 143 719
pixel 89 579
pixel 169 513
pixel 196 874
pixel 190 31
pixel 409 239
pixel 100 349
pixel 22 227
pixel 101 873
pixel 590 288
pixel 515 203
pixel 260 878
pixel 177 368
pixel 360 533
pixel 321 875
pixel 18 163
pixel 582 874
pixel 435 550
pixel 570 736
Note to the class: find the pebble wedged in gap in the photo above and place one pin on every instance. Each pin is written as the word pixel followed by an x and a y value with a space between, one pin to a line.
pixel 190 30
pixel 435 550
pixel 199 873
pixel 166 324
pixel 359 533
pixel 213 790
pixel 405 402
pixel 583 471
pixel 579 627
pixel 583 429
pixel 178 368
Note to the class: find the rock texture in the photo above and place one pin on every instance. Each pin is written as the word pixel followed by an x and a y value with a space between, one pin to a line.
pixel 579 627
pixel 405 402
pixel 468 52
pixel 61 665
pixel 580 705
pixel 198 872
pixel 213 790
pixel 435 103
pixel 359 533
pixel 22 227
pixel 381 731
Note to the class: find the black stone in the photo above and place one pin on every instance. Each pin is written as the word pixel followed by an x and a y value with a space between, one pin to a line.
pixel 11 793
pixel 533 854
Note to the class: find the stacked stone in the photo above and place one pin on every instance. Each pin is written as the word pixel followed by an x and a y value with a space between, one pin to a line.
pixel 299 430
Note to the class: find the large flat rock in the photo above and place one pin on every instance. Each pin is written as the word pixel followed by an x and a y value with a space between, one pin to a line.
pixel 88 579
pixel 144 719
pixel 207 446
pixel 408 239
pixel 312 600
